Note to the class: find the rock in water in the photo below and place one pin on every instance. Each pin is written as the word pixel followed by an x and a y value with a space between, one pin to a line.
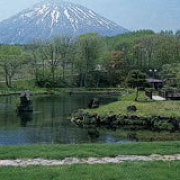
pixel 94 103
pixel 25 103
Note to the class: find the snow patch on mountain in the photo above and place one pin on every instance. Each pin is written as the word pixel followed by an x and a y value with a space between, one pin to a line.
pixel 55 14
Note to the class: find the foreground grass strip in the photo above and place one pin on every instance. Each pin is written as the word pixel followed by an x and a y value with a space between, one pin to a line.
pixel 91 160
pixel 125 171
pixel 87 150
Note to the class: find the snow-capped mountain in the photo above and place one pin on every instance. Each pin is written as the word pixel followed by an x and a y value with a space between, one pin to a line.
pixel 55 17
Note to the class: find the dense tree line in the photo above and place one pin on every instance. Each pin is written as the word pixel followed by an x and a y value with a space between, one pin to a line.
pixel 93 61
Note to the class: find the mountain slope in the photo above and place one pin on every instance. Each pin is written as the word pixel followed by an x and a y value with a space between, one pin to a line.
pixel 50 18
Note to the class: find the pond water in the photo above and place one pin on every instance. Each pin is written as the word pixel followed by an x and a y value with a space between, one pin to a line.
pixel 49 123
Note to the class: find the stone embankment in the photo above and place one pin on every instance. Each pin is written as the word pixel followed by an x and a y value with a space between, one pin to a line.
pixel 82 119
pixel 105 160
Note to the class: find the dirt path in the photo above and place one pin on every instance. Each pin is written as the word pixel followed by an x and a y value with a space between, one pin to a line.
pixel 69 161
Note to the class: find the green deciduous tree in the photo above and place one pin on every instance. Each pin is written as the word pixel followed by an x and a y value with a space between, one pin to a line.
pixel 156 50
pixel 11 58
pixel 169 74
pixel 116 68
pixel 89 48
pixel 55 53
pixel 136 79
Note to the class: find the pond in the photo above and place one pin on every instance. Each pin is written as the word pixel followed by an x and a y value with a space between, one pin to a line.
pixel 50 122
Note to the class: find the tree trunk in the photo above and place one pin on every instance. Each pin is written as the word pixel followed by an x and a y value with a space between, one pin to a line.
pixel 35 68
pixel 98 81
pixel 10 81
pixel 53 75
pixel 63 73
pixel 72 73
pixel 137 93
pixel 36 74
pixel 81 79
pixel 7 81
pixel 43 69
pixel 85 80
pixel 63 66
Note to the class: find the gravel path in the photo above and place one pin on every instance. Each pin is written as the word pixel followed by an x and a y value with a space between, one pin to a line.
pixel 158 98
pixel 69 161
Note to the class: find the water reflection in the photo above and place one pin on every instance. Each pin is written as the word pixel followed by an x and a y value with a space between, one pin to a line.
pixel 25 117
pixel 49 123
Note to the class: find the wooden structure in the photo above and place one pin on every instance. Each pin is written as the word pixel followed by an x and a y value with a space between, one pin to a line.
pixel 172 94
pixel 149 93
pixel 155 83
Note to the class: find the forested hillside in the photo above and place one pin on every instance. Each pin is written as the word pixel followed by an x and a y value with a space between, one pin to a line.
pixel 93 61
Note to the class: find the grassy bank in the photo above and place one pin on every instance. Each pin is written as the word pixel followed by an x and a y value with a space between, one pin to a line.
pixel 148 114
pixel 125 171
pixel 91 150
pixel 15 91
pixel 144 107
pixel 35 90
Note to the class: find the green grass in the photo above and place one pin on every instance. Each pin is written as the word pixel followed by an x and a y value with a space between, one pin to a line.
pixel 124 171
pixel 23 87
pixel 28 84
pixel 144 107
pixel 35 90
pixel 91 150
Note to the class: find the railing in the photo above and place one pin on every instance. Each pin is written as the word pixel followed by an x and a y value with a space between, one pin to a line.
pixel 149 93
pixel 170 94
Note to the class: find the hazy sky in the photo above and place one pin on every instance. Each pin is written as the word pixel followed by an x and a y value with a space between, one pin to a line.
pixel 131 14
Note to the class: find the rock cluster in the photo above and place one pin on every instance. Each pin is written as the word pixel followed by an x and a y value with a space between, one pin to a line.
pixel 153 123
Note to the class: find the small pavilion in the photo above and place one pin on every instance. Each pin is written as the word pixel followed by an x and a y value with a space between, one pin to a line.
pixel 155 83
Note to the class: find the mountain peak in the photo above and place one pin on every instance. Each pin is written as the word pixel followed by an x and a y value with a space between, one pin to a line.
pixel 55 17
pixel 55 3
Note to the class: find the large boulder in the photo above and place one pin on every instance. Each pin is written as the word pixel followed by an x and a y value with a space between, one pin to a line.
pixel 131 109
pixel 25 103
pixel 93 103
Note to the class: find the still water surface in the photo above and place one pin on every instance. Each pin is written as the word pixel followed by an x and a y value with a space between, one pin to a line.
pixel 50 122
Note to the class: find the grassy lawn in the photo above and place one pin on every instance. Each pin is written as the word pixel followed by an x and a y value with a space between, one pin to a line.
pixel 144 107
pixel 124 171
pixel 91 150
